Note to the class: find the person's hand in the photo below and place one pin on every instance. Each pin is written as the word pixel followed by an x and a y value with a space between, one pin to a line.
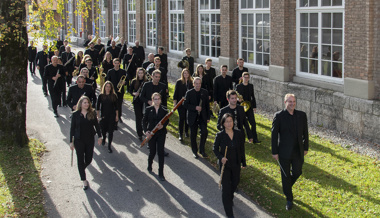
pixel 305 153
pixel 38 67
pixel 175 103
pixel 224 160
pixel 116 118
pixel 148 134
pixel 67 73
pixel 250 140
pixel 209 97
pixel 135 94
pixel 130 61
pixel 92 78
pixel 208 121
pixel 198 108
pixel 160 126
pixel 100 141
pixel 243 167
pixel 215 102
pixel 74 107
pixel 150 103
pixel 275 156
pixel 72 146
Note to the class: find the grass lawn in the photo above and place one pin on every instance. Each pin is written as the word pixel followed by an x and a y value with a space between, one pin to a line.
pixel 20 185
pixel 335 182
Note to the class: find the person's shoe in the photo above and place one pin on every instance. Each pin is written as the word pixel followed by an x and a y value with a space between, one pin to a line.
pixel 103 142
pixel 85 185
pixel 109 150
pixel 180 138
pixel 147 146
pixel 289 205
pixel 46 94
pixel 204 155
pixel 56 115
pixel 120 120
pixel 162 178
pixel 195 156
pixel 115 127
pixel 64 105
pixel 149 169
pixel 256 141
pixel 59 105
pixel 186 135
pixel 140 138
pixel 166 154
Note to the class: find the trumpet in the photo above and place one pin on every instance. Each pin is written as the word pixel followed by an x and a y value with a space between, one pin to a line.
pixel 121 83
pixel 245 104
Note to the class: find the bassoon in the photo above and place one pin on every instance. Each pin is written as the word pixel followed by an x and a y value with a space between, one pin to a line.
pixel 162 121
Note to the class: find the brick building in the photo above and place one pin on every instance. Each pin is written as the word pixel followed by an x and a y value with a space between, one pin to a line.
pixel 324 51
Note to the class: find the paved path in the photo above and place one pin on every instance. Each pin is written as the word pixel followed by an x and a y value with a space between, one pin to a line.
pixel 120 183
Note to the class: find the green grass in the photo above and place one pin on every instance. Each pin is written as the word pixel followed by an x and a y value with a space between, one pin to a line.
pixel 335 182
pixel 20 185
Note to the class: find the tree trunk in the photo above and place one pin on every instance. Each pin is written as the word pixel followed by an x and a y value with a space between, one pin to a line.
pixel 13 72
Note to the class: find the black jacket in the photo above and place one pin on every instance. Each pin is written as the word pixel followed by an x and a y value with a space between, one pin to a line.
pixel 114 51
pixel 68 65
pixel 220 144
pixel 139 51
pixel 50 72
pixel 248 93
pixel 283 126
pixel 148 89
pixel 41 59
pixel 180 89
pixel 164 60
pixel 151 119
pixel 32 53
pixel 221 86
pixel 101 53
pixel 75 93
pixel 75 126
pixel 191 103
pixel 115 77
pixel 241 121
pixel 237 73
pixel 191 63
pixel 94 56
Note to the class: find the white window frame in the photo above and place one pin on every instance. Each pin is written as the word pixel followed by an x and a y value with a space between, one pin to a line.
pixel 115 12
pixel 207 12
pixel 70 10
pixel 131 28
pixel 151 43
pixel 177 13
pixel 253 11
pixel 102 18
pixel 319 10
pixel 79 23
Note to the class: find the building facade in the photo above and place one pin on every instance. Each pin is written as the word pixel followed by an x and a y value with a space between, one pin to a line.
pixel 324 51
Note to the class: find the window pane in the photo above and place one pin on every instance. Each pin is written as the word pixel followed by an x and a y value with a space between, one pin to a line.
pixel 326 52
pixel 326 36
pixel 326 20
pixel 314 20
pixel 250 57
pixel 266 59
pixel 337 3
pixel 258 4
pixel 244 20
pixel 250 3
pixel 338 20
pixel 304 65
pixel 265 3
pixel 313 3
pixel 266 46
pixel 326 2
pixel 304 35
pixel 259 45
pixel 313 48
pixel 244 31
pixel 266 33
pixel 244 55
pixel 304 50
pixel 304 3
pixel 250 19
pixel 337 53
pixel 314 35
pixel 250 45
pixel 243 4
pixel 337 37
pixel 259 58
pixel 326 68
pixel 304 20
pixel 244 44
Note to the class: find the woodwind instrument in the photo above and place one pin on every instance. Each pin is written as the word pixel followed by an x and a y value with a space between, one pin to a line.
pixel 72 153
pixel 200 105
pixel 222 171
pixel 55 82
pixel 161 122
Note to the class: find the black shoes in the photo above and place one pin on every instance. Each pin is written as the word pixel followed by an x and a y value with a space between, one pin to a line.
pixel 46 94
pixel 120 120
pixel 289 205
pixel 85 187
pixel 56 115
pixel 256 141
pixel 180 138
pixel 166 154
pixel 186 135
pixel 204 155
pixel 103 142
pixel 195 155
pixel 109 150
pixel 162 178
pixel 149 169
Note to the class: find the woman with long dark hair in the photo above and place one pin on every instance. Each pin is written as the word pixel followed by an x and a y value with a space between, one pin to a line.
pixel 107 112
pixel 206 80
pixel 182 85
pixel 83 125
pixel 233 140
pixel 135 89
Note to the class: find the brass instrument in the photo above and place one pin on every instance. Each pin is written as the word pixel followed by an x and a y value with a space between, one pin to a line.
pixel 183 64
pixel 149 66
pixel 101 50
pixel 245 104
pixel 216 108
pixel 117 40
pixel 148 76
pixel 102 77
pixel 92 41
pixel 76 72
pixel 121 83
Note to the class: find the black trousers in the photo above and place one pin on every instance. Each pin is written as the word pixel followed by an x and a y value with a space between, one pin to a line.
pixel 293 170
pixel 69 79
pixel 157 145
pixel 44 82
pixel 63 95
pixel 55 95
pixel 182 120
pixel 230 181
pixel 193 136
pixel 138 107
pixel 120 97
pixel 251 119
pixel 85 151
pixel 32 67
pixel 107 125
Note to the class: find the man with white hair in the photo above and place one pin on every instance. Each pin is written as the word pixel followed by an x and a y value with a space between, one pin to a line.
pixel 54 75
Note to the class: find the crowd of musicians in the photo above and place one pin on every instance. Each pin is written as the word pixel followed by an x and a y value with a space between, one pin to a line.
pixel 123 69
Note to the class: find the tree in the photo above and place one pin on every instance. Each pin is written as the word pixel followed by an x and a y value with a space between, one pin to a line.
pixel 13 72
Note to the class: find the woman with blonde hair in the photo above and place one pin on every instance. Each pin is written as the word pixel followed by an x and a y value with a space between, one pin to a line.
pixel 82 132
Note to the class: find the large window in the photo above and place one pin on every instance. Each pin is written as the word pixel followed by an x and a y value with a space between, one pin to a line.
pixel 177 25
pixel 131 21
pixel 102 17
pixel 70 15
pixel 209 28
pixel 255 32
pixel 151 23
pixel 320 37
pixel 115 17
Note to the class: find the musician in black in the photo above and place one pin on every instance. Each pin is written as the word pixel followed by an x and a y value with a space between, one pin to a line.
pixel 232 140
pixel 68 60
pixel 101 48
pixel 42 59
pixel 54 75
pixel 135 90
pixel 88 40
pixel 163 57
pixel 92 72
pixel 210 71
pixel 115 76
pixel 32 53
pixel 129 62
pixel 182 85
pixel 62 101
pixel 62 48
pixel 114 50
pixel 152 116
pixel 84 72
pixel 198 115
pixel 247 91
pixel 83 126
pixel 189 59
pixel 157 66
pixel 222 84
pixel 149 62
pixel 237 73
pixel 78 90
pixel 107 113
pixel 58 44
pixel 79 59
pixel 151 87
pixel 94 53
pixel 107 62
pixel 140 53
pixel 206 81
pixel 237 112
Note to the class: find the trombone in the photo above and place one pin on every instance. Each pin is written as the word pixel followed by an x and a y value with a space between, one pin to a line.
pixel 245 104
pixel 121 83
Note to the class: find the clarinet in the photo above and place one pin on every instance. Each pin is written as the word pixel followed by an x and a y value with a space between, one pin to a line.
pixel 235 121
